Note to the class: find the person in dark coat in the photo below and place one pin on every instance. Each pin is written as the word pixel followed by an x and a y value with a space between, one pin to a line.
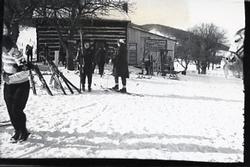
pixel 101 62
pixel 120 68
pixel 88 57
pixel 147 65
pixel 29 52
pixel 100 57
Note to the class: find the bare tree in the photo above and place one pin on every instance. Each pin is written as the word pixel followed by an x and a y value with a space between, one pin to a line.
pixel 184 50
pixel 63 13
pixel 16 12
pixel 211 39
pixel 60 13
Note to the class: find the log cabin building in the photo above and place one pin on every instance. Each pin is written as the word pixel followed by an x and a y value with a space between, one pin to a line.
pixel 100 31
pixel 107 31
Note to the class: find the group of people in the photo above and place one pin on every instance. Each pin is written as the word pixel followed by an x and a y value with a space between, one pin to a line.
pixel 88 59
pixel 17 84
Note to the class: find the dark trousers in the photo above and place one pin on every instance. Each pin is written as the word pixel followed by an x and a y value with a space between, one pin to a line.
pixel 89 75
pixel 16 96
pixel 147 70
pixel 30 57
pixel 101 68
pixel 93 69
pixel 123 80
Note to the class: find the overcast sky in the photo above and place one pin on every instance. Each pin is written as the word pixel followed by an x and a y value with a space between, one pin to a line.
pixel 183 14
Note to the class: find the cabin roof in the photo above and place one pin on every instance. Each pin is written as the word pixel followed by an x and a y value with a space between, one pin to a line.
pixel 112 15
pixel 145 31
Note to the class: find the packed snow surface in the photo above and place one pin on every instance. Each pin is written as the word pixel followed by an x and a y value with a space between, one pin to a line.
pixel 196 118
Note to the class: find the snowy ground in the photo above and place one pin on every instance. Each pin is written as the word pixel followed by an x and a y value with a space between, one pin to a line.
pixel 197 118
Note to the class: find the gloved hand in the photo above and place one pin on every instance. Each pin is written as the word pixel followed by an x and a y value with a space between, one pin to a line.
pixel 30 65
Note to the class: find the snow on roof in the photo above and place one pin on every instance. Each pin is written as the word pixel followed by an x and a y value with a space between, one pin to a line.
pixel 160 35
pixel 154 31
pixel 114 15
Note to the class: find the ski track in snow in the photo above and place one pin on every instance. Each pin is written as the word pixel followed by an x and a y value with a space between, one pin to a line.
pixel 193 118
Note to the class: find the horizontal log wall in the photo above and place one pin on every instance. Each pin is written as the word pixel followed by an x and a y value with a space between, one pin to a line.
pixel 99 30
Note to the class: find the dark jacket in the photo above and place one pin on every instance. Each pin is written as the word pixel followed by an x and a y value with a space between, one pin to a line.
pixel 88 60
pixel 28 50
pixel 100 56
pixel 121 62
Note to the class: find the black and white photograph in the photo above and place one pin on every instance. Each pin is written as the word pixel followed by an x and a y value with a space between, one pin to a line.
pixel 123 79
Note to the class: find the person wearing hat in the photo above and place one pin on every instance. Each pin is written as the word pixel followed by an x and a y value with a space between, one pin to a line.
pixel 88 57
pixel 120 68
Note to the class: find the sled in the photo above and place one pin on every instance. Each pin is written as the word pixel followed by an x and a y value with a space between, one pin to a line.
pixel 171 74
pixel 142 76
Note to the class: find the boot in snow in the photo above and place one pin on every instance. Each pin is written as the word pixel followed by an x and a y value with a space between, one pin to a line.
pixel 15 137
pixel 24 136
pixel 116 88
pixel 123 90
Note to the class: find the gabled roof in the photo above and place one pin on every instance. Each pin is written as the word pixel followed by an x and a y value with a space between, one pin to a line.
pixel 114 15
pixel 145 31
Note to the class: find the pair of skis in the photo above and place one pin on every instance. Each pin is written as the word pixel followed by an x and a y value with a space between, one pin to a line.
pixel 56 74
pixel 118 91
pixel 36 69
pixel 5 123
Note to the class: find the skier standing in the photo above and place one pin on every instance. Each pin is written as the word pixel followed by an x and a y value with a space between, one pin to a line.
pixel 88 65
pixel 29 52
pixel 101 62
pixel 120 66
pixel 16 87
pixel 99 59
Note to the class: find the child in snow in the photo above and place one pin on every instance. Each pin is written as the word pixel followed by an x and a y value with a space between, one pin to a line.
pixel 16 87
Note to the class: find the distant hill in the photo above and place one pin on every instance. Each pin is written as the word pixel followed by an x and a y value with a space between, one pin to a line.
pixel 171 32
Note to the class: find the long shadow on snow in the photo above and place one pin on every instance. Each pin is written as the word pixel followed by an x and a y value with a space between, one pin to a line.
pixel 85 141
pixel 102 92
pixel 193 98
pixel 86 92
pixel 183 97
